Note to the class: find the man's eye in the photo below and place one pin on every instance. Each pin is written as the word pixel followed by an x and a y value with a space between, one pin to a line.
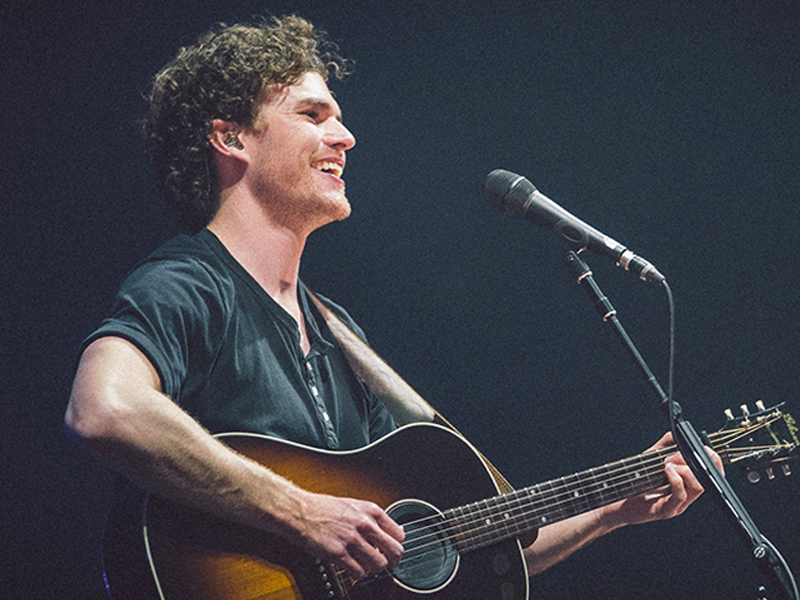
pixel 314 115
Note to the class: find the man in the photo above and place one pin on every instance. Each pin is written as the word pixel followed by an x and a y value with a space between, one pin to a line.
pixel 213 332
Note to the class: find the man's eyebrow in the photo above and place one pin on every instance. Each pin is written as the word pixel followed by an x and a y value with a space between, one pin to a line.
pixel 321 104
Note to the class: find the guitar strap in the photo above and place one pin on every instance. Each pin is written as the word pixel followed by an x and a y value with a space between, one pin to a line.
pixel 404 404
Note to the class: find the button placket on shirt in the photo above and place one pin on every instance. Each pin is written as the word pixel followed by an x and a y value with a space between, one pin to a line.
pixel 322 411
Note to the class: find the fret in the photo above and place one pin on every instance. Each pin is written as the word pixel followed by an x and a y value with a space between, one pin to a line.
pixel 535 499
pixel 466 527
pixel 552 511
pixel 509 515
pixel 488 521
pixel 629 478
pixel 595 488
pixel 575 494
pixel 494 515
pixel 528 499
pixel 653 478
pixel 475 526
pixel 623 478
pixel 522 517
pixel 608 484
pixel 485 522
pixel 601 492
pixel 456 520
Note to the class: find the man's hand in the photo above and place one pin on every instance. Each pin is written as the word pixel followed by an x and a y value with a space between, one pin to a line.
pixel 667 502
pixel 355 535
pixel 557 541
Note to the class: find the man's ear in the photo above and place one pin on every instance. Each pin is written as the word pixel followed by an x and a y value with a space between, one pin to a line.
pixel 224 137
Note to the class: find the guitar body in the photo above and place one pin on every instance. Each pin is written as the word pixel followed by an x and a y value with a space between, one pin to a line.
pixel 157 550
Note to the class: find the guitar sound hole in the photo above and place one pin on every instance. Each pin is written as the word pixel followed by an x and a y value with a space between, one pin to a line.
pixel 430 558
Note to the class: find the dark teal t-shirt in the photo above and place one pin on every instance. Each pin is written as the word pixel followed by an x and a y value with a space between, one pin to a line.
pixel 230 356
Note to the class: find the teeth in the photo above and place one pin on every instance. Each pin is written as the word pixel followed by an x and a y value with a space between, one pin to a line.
pixel 326 165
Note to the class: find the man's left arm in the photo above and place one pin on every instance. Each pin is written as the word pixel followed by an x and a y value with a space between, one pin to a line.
pixel 555 542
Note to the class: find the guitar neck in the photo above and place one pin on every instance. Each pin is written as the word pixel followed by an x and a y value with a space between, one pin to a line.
pixel 489 521
pixel 511 515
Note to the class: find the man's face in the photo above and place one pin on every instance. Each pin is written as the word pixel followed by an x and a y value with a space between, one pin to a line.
pixel 296 155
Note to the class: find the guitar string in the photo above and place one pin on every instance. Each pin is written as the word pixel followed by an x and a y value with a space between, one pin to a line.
pixel 719 440
pixel 521 500
pixel 475 520
pixel 525 501
pixel 419 551
pixel 578 491
pixel 529 501
pixel 665 451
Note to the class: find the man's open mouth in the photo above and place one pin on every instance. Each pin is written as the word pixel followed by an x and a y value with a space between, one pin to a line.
pixel 328 166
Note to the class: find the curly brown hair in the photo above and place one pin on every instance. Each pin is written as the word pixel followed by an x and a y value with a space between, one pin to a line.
pixel 223 75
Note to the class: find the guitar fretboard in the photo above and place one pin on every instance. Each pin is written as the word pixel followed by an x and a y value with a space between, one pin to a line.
pixel 486 522
pixel 511 515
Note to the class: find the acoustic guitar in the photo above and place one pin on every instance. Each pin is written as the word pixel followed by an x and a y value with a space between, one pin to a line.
pixel 461 536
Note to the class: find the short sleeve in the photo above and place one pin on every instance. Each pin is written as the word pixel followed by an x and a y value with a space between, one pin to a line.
pixel 171 310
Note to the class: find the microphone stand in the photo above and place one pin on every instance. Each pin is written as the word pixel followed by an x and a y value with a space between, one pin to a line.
pixel 691 447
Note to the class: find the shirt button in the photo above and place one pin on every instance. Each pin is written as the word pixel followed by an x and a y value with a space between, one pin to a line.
pixel 326 417
pixel 315 391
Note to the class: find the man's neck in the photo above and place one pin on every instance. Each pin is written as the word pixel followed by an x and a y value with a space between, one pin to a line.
pixel 269 251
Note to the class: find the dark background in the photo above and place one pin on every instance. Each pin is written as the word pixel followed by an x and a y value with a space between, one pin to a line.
pixel 670 125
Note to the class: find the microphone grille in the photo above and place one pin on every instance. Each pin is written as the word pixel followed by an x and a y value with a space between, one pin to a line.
pixel 508 191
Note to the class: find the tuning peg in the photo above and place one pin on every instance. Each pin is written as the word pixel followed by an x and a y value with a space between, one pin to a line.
pixel 745 410
pixel 753 476
pixel 760 405
pixel 729 414
pixel 770 473
pixel 786 469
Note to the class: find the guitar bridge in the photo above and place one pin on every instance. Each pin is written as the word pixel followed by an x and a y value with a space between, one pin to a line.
pixel 334 584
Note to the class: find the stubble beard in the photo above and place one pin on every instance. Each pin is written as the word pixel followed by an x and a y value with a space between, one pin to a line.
pixel 309 212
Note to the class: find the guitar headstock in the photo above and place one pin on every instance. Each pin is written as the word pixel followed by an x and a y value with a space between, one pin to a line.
pixel 762 443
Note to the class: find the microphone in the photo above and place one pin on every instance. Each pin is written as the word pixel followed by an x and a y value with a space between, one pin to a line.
pixel 514 195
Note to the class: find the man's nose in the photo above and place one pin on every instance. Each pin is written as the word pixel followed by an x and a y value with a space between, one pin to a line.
pixel 339 136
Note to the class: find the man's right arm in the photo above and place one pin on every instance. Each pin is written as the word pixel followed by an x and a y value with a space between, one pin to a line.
pixel 118 413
